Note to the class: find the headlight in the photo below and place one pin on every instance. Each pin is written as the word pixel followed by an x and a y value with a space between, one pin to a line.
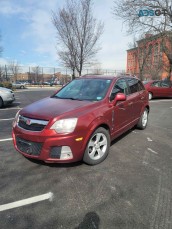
pixel 64 125
pixel 16 119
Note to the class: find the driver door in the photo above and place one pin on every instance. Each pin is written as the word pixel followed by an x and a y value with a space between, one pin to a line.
pixel 122 111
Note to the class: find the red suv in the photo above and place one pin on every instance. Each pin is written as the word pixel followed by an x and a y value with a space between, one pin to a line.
pixel 80 120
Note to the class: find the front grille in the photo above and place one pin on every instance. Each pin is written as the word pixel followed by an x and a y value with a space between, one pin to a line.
pixel 29 147
pixel 31 124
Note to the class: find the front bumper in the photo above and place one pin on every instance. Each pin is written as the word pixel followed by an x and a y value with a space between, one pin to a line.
pixel 49 146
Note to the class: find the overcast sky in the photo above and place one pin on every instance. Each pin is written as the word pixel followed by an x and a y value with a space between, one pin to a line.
pixel 28 35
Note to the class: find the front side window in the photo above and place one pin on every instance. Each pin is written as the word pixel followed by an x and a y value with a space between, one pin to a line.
pixel 119 87
pixel 85 89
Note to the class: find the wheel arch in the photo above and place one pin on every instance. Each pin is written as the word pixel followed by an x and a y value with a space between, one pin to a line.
pixel 94 126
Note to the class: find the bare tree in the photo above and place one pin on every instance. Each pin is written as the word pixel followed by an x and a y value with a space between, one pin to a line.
pixel 153 16
pixel 78 33
pixel 36 74
pixel 13 67
pixel 2 73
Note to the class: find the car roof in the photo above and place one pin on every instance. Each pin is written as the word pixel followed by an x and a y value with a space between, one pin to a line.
pixel 98 76
pixel 110 77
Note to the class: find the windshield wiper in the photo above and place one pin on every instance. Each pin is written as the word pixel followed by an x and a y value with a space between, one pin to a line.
pixel 57 97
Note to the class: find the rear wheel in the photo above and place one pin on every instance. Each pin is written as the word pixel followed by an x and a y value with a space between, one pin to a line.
pixel 97 147
pixel 143 120
pixel 1 102
pixel 150 95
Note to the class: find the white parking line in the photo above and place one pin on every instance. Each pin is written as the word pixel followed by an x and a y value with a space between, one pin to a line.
pixel 12 108
pixel 20 203
pixel 6 139
pixel 6 119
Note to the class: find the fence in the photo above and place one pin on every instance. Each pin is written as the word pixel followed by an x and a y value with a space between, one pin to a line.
pixel 13 73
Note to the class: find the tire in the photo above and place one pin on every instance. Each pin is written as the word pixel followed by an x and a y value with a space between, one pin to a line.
pixel 142 123
pixel 98 147
pixel 1 102
pixel 150 95
pixel 22 87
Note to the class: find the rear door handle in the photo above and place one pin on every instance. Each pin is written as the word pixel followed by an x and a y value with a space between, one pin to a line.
pixel 130 103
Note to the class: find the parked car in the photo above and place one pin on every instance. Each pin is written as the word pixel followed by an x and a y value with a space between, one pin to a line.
pixel 19 85
pixel 6 96
pixel 158 88
pixel 81 119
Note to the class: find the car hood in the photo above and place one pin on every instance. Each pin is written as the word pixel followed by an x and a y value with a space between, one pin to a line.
pixel 49 108
pixel 5 89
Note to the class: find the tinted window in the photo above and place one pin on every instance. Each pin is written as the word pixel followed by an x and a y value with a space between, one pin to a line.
pixel 119 87
pixel 141 87
pixel 156 84
pixel 134 85
pixel 165 84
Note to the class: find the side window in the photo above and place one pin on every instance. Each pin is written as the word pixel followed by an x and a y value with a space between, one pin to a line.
pixel 156 84
pixel 165 84
pixel 134 85
pixel 119 87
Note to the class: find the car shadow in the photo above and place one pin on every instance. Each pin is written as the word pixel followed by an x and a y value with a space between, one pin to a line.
pixel 160 98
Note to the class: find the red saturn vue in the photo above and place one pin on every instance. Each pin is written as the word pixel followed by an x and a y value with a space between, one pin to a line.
pixel 79 122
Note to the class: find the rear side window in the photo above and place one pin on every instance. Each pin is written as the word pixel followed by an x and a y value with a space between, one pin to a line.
pixel 134 85
pixel 119 87
pixel 165 84
pixel 156 84
pixel 141 87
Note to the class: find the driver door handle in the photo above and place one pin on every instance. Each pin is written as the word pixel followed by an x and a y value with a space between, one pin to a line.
pixel 130 103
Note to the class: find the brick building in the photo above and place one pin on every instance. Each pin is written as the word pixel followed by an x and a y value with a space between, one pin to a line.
pixel 148 59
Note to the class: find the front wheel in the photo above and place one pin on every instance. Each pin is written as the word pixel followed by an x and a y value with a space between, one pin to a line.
pixel 143 120
pixel 98 147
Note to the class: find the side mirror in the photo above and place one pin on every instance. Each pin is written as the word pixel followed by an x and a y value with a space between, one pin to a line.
pixel 119 97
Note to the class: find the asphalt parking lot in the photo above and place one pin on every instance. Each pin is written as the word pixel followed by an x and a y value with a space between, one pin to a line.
pixel 132 188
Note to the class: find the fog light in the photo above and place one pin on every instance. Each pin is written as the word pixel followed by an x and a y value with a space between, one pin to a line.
pixel 66 153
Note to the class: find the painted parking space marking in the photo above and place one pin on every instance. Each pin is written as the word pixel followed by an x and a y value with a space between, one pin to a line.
pixel 6 139
pixel 20 203
pixel 6 119
pixel 12 108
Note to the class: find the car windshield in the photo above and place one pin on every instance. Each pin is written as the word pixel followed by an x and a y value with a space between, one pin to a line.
pixel 85 89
